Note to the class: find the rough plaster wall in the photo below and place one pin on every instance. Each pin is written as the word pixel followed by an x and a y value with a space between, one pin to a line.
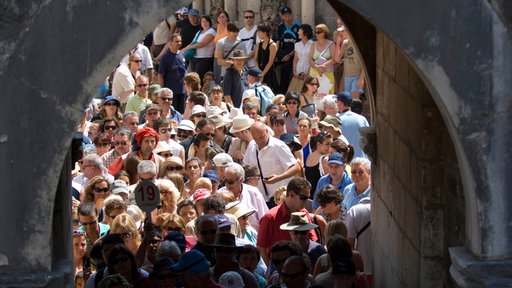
pixel 417 201
pixel 54 56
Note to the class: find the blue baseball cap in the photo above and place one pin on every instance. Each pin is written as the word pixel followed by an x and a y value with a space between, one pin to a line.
pixel 112 98
pixel 286 10
pixel 212 175
pixel 345 98
pixel 178 238
pixel 193 261
pixel 193 12
pixel 336 158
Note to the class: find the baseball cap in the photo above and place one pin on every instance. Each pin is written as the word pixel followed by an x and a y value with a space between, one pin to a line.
pixel 193 261
pixel 222 160
pixel 336 158
pixel 193 12
pixel 255 71
pixel 345 98
pixel 286 10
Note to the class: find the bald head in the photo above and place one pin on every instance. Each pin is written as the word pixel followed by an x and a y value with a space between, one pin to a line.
pixel 259 134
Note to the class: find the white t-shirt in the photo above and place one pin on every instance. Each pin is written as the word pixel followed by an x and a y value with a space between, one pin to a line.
pixel 207 50
pixel 123 81
pixel 145 56
pixel 249 44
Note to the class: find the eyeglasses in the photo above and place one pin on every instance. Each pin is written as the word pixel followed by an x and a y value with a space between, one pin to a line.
pixel 89 223
pixel 121 259
pixel 99 190
pixel 278 262
pixel 359 172
pixel 256 178
pixel 230 181
pixel 165 130
pixel 249 17
pixel 203 115
pixel 292 276
pixel 142 85
pixel 166 99
pixel 165 154
pixel 110 104
pixel 181 135
pixel 137 61
pixel 211 135
pixel 318 32
pixel 292 102
pixel 166 276
pixel 102 144
pixel 172 168
pixel 108 127
pixel 301 197
pixel 227 250
pixel 210 232
pixel 315 84
pixel 295 232
pixel 125 235
pixel 122 143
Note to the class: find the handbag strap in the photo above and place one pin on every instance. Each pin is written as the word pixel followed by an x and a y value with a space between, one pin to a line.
pixel 261 172
pixel 363 229
pixel 232 48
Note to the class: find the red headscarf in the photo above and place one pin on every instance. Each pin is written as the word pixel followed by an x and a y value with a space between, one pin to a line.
pixel 145 132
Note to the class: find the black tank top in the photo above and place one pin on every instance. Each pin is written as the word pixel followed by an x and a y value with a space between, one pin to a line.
pixel 313 175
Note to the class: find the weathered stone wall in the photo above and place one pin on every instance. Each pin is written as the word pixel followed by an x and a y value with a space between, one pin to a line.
pixel 416 190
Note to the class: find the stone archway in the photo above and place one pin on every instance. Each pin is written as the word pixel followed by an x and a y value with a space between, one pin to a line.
pixel 434 189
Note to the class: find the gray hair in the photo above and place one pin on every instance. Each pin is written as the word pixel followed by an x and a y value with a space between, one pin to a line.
pixel 123 131
pixel 169 249
pixel 95 160
pixel 236 168
pixel 361 160
pixel 164 90
pixel 330 102
pixel 146 166
pixel 129 114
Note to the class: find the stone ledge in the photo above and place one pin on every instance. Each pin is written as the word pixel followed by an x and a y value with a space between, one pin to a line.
pixel 468 271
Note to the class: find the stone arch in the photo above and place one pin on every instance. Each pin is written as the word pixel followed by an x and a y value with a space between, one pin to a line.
pixel 432 51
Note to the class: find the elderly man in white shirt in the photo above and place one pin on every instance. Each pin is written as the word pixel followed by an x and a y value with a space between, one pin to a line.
pixel 274 159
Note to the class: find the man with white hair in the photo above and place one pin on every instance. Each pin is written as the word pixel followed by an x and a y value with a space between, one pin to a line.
pixel 165 99
pixel 91 166
pixel 146 170
pixel 248 195
pixel 330 105
pixel 361 188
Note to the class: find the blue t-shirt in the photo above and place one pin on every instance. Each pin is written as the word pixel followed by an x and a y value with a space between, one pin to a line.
pixel 326 179
pixel 173 68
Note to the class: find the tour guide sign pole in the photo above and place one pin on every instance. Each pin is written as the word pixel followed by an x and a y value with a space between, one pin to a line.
pixel 147 197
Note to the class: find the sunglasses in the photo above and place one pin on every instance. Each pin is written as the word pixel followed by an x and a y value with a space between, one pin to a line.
pixel 211 135
pixel 165 154
pixel 315 84
pixel 230 181
pixel 278 262
pixel 301 197
pixel 172 168
pixel 292 102
pixel 134 124
pixel 122 143
pixel 110 104
pixel 166 276
pixel 137 61
pixel 120 259
pixel 291 276
pixel 227 250
pixel 249 17
pixel 102 144
pixel 203 115
pixel 108 127
pixel 318 32
pixel 89 223
pixel 99 190
pixel 126 235
pixel 167 99
pixel 300 232
pixel 142 85
pixel 210 232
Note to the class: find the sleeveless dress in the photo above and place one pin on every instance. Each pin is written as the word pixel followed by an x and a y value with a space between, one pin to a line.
pixel 263 58
pixel 313 175
pixel 320 57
